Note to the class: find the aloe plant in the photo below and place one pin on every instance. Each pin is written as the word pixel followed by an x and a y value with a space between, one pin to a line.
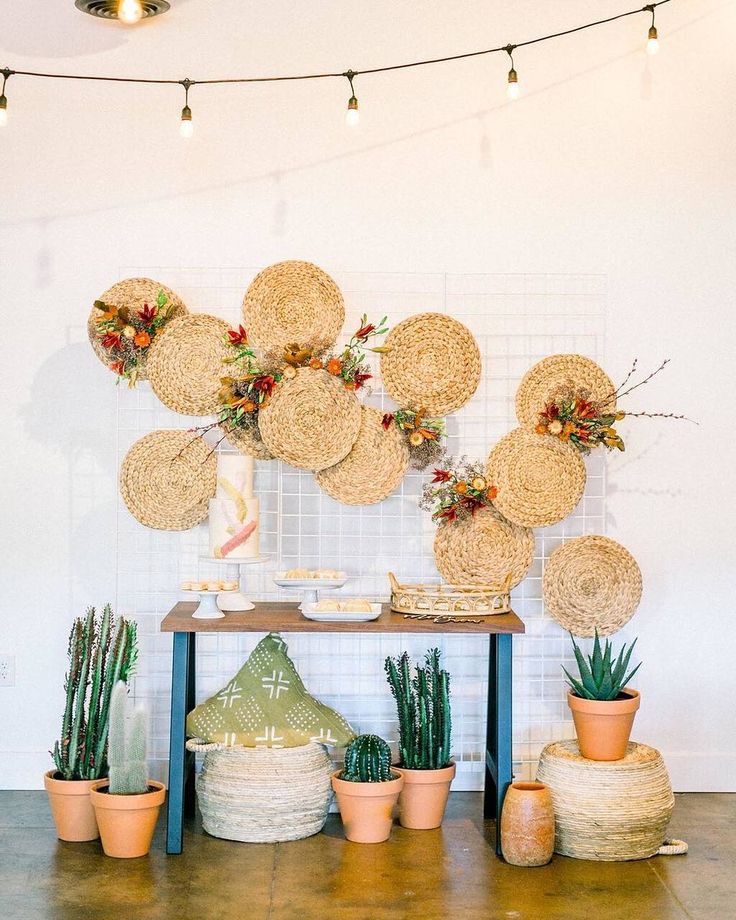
pixel 367 760
pixel 601 678
pixel 127 745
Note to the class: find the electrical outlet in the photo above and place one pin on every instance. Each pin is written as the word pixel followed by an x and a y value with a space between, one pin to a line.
pixel 7 670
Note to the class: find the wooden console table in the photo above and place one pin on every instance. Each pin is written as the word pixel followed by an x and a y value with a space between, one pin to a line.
pixel 285 617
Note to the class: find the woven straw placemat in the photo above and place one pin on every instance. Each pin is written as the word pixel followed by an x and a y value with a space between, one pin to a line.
pixel 556 373
pixel 483 549
pixel 311 421
pixel 247 441
pixel 132 293
pixel 539 479
pixel 167 480
pixel 434 364
pixel 185 363
pixel 591 583
pixel 373 468
pixel 607 810
pixel 293 302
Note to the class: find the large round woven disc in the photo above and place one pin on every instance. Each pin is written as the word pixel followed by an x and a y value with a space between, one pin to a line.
pixel 185 363
pixel 167 480
pixel 483 549
pixel 293 302
pixel 247 442
pixel 557 373
pixel 434 364
pixel 539 479
pixel 311 421
pixel 591 583
pixel 132 293
pixel 373 468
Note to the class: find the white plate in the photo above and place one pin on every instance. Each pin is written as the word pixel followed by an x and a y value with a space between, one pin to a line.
pixel 282 581
pixel 342 616
pixel 220 591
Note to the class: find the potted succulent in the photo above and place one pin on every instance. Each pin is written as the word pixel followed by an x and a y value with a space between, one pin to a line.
pixel 367 789
pixel 603 707
pixel 425 724
pixel 100 654
pixel 127 805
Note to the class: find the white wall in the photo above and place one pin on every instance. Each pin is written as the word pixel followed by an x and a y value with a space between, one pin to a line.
pixel 610 163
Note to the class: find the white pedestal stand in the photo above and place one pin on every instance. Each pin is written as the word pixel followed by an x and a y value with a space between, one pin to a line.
pixel 310 587
pixel 207 609
pixel 234 600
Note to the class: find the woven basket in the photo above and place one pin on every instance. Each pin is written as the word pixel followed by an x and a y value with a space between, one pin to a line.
pixel 132 293
pixel 558 373
pixel 167 480
pixel 293 302
pixel 483 549
pixel 247 441
pixel 591 583
pixel 434 364
pixel 373 468
pixel 539 479
pixel 311 421
pixel 185 364
pixel 265 795
pixel 485 600
pixel 607 810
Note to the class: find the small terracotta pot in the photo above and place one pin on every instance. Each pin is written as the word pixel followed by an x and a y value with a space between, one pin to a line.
pixel 604 727
pixel 127 822
pixel 367 808
pixel 527 825
pixel 71 808
pixel 423 799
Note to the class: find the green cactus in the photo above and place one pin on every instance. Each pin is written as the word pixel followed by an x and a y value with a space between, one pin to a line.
pixel 423 707
pixel 127 745
pixel 600 677
pixel 99 655
pixel 367 760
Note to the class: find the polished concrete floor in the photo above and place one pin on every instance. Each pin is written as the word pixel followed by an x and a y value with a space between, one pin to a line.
pixel 417 875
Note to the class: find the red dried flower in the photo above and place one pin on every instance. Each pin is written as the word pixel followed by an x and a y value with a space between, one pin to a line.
pixel 148 314
pixel 238 337
pixel 118 367
pixel 441 476
pixel 387 420
pixel 111 340
pixel 360 379
pixel 365 331
pixel 264 384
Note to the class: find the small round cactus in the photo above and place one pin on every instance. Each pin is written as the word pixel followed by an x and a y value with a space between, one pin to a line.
pixel 367 760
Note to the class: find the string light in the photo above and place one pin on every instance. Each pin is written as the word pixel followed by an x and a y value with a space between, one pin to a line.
pixel 130 11
pixel 4 99
pixel 352 116
pixel 186 128
pixel 652 40
pixel 512 83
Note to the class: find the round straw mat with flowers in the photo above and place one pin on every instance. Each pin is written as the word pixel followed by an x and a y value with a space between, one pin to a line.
pixel 373 468
pixel 483 549
pixel 556 375
pixel 293 302
pixel 539 479
pixel 434 364
pixel 311 421
pixel 167 479
pixel 132 295
pixel 591 583
pixel 247 441
pixel 185 364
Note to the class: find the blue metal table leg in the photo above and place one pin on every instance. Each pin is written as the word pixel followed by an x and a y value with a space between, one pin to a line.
pixel 498 730
pixel 189 775
pixel 180 684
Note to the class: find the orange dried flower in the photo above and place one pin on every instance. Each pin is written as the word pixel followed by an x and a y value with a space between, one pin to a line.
pixel 541 429
pixel 351 385
pixel 416 438
pixel 142 339
pixel 315 364
pixel 491 493
pixel 461 487
pixel 334 367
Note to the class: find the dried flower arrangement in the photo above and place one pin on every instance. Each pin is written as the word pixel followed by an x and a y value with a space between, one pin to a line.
pixel 457 491
pixel 350 363
pixel 424 435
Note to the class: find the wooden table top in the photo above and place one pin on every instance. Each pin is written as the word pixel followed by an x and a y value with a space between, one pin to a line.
pixel 283 616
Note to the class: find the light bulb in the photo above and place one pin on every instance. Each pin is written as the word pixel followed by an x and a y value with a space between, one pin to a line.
pixel 653 42
pixel 3 111
pixel 512 87
pixel 186 128
pixel 352 116
pixel 130 11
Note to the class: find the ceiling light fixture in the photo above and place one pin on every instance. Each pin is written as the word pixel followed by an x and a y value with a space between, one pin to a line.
pixel 128 11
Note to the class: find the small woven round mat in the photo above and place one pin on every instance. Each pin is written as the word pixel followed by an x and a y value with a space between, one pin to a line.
pixel 483 549
pixel 591 583
pixel 434 364
pixel 185 364
pixel 373 468
pixel 607 810
pixel 247 441
pixel 167 480
pixel 132 294
pixel 539 479
pixel 293 302
pixel 558 373
pixel 311 421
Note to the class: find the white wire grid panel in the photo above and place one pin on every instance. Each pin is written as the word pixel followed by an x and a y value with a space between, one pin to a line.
pixel 517 319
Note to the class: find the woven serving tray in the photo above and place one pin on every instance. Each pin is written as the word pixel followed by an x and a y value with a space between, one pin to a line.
pixel 485 600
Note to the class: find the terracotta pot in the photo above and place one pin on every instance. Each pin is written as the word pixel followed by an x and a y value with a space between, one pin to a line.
pixel 71 808
pixel 527 825
pixel 367 808
pixel 603 727
pixel 127 822
pixel 423 799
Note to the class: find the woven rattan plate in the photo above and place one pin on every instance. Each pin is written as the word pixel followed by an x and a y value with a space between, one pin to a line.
pixel 247 442
pixel 311 421
pixel 293 302
pixel 554 375
pixel 539 479
pixel 591 583
pixel 483 549
pixel 167 479
pixel 434 364
pixel 185 364
pixel 373 468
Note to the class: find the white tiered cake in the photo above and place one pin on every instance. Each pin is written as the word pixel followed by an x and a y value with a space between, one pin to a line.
pixel 233 515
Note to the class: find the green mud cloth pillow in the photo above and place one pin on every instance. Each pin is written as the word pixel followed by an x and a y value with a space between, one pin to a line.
pixel 267 705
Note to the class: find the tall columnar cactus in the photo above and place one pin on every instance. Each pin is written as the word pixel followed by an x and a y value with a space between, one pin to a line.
pixel 423 706
pixel 99 656
pixel 367 760
pixel 127 748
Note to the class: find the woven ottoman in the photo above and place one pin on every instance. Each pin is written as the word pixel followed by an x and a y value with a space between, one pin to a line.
pixel 607 810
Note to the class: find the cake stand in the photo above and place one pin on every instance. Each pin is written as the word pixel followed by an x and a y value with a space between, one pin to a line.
pixel 309 587
pixel 208 609
pixel 233 600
